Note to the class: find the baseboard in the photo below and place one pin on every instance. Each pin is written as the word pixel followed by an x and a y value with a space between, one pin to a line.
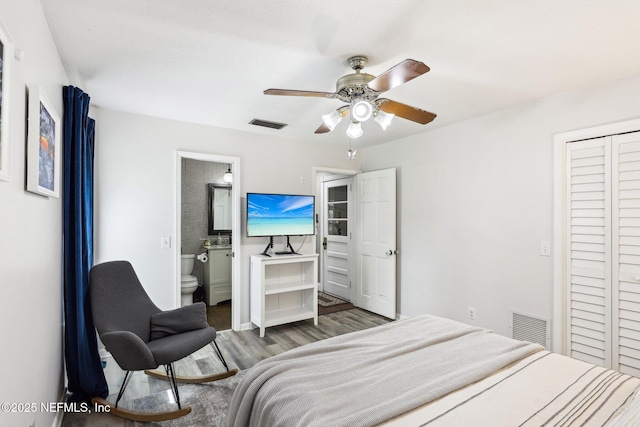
pixel 246 326
pixel 57 421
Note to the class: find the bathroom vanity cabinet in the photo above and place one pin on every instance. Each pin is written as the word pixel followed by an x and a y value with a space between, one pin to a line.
pixel 217 275
pixel 284 288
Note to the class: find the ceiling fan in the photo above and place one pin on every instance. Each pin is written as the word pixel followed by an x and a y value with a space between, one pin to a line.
pixel 361 92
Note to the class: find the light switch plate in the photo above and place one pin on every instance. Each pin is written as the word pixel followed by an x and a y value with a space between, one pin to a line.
pixel 165 242
pixel 545 248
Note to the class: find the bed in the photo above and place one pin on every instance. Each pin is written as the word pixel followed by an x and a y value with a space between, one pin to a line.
pixel 431 371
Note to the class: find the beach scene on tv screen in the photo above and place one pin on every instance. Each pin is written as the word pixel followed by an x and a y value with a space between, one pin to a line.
pixel 279 215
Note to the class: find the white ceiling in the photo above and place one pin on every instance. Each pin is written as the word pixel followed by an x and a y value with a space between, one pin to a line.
pixel 208 61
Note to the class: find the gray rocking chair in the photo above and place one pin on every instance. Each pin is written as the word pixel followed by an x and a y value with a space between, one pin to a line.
pixel 140 336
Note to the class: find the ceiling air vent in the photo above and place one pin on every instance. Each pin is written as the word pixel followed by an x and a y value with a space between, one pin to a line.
pixel 267 124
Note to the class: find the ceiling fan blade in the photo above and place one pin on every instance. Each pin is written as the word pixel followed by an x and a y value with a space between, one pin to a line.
pixel 323 129
pixel 287 92
pixel 397 75
pixel 406 111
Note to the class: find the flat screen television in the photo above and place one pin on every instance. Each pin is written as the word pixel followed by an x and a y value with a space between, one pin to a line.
pixel 271 215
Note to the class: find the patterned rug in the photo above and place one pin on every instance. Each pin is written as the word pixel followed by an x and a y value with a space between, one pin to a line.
pixel 330 304
pixel 209 403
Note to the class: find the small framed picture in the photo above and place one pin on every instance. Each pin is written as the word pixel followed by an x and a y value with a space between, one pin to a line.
pixel 43 145
pixel 6 65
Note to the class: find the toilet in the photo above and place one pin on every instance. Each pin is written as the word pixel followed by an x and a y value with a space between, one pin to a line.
pixel 188 283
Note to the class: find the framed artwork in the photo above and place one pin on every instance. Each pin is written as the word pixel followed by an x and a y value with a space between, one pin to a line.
pixel 43 145
pixel 6 65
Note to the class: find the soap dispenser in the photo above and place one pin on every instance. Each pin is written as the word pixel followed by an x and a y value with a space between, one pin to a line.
pixel 219 241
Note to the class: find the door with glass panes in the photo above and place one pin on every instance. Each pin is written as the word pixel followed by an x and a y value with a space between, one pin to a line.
pixel 336 241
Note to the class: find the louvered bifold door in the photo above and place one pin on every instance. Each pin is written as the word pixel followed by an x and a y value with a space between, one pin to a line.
pixel 626 252
pixel 589 255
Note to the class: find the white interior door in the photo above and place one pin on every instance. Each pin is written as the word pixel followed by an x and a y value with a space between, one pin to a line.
pixel 602 235
pixel 376 242
pixel 336 239
pixel 588 234
pixel 625 244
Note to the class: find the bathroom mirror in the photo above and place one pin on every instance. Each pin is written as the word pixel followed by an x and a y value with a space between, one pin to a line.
pixel 219 209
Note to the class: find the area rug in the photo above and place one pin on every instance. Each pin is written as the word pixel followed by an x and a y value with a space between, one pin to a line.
pixel 330 304
pixel 209 403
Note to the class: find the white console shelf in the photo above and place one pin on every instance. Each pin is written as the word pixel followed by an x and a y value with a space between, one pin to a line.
pixel 284 288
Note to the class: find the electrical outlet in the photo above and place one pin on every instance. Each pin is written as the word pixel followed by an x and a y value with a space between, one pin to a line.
pixel 472 313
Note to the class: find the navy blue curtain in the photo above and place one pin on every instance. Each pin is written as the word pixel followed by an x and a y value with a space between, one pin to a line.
pixel 84 368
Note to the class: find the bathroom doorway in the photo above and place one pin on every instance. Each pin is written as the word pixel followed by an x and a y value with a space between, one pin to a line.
pixel 206 227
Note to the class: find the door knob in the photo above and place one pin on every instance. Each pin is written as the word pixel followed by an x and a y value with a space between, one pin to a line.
pixel 391 252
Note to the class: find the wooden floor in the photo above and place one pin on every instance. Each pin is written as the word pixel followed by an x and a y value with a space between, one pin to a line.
pixel 242 350
pixel 219 315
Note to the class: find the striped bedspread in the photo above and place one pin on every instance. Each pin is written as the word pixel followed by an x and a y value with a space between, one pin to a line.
pixel 544 389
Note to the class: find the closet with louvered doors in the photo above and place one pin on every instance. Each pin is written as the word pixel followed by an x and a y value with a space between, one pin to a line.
pixel 603 251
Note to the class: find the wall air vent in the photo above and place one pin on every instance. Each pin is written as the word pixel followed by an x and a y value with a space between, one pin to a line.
pixel 267 124
pixel 529 328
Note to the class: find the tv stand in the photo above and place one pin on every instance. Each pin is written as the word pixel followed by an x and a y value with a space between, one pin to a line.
pixel 269 246
pixel 289 250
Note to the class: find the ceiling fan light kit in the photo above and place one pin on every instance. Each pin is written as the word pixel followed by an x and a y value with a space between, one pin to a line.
pixel 332 119
pixel 354 130
pixel 361 110
pixel 383 119
pixel 361 91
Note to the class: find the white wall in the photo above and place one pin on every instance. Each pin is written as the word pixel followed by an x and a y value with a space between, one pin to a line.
pixel 136 188
pixel 30 236
pixel 475 200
